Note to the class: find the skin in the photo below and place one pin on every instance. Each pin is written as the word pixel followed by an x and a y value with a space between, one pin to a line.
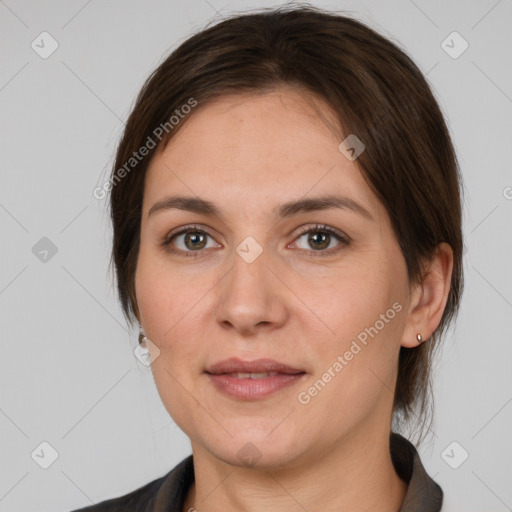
pixel 294 303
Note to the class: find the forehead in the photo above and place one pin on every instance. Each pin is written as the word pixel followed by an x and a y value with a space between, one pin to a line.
pixel 259 148
pixel 249 121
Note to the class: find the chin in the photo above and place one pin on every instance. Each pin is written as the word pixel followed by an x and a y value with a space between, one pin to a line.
pixel 253 447
pixel 256 456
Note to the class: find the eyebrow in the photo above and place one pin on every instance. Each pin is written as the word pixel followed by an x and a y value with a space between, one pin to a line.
pixel 202 206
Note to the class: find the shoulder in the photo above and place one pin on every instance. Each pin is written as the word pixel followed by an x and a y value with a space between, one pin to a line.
pixel 137 500
pixel 168 489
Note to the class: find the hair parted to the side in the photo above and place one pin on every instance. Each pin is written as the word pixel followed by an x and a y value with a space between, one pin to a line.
pixel 379 95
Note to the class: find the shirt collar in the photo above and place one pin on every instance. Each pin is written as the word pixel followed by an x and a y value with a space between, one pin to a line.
pixel 423 494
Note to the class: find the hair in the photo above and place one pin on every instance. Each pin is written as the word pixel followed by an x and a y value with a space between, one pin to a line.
pixel 377 93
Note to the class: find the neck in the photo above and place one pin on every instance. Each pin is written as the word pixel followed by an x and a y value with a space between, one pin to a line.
pixel 355 474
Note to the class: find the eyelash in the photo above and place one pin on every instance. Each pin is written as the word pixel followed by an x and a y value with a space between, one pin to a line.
pixel 321 228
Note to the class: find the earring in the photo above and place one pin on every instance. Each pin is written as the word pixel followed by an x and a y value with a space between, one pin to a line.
pixel 419 338
pixel 141 337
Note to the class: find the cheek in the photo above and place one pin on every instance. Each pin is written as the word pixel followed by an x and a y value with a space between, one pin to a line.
pixel 166 304
pixel 171 304
pixel 356 297
pixel 368 331
pixel 364 309
pixel 164 295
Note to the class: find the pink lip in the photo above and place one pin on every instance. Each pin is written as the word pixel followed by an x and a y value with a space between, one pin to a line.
pixel 222 375
pixel 235 365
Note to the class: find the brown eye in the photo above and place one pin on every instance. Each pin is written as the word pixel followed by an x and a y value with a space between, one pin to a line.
pixel 188 242
pixel 318 240
pixel 321 239
pixel 195 240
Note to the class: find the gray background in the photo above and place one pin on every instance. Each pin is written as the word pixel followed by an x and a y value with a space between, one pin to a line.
pixel 67 372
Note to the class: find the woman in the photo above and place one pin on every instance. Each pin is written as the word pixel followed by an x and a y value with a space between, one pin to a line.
pixel 287 232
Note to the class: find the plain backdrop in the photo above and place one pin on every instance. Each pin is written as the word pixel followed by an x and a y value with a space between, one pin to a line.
pixel 68 375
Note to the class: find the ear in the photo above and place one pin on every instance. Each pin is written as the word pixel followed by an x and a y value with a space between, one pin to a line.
pixel 429 297
pixel 132 297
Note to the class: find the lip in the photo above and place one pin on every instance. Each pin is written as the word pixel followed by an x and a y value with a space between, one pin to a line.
pixel 235 365
pixel 223 377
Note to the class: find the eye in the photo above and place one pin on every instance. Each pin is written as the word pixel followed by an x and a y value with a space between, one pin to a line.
pixel 320 238
pixel 189 240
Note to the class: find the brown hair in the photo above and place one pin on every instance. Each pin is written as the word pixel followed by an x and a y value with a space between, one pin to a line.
pixel 378 93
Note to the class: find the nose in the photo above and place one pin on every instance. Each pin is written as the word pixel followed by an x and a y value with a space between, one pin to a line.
pixel 251 298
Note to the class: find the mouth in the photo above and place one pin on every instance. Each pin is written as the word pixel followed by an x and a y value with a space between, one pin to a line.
pixel 253 375
pixel 251 380
pixel 256 367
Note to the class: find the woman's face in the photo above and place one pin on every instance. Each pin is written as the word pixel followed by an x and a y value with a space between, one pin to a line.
pixel 253 280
